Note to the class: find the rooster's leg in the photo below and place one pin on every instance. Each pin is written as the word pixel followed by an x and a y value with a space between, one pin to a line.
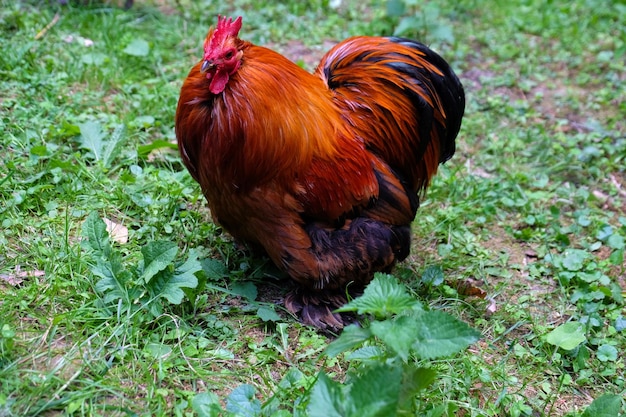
pixel 346 259
pixel 325 262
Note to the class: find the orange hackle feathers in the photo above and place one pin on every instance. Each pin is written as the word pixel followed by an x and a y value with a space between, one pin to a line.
pixel 324 170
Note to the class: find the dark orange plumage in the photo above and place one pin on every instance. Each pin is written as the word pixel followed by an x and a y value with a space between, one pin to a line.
pixel 322 170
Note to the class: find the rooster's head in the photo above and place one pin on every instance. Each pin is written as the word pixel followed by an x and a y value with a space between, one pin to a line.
pixel 222 57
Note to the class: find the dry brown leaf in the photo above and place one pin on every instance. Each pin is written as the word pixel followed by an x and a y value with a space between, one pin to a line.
pixel 469 287
pixel 491 307
pixel 45 30
pixel 531 254
pixel 117 232
pixel 18 276
pixel 617 185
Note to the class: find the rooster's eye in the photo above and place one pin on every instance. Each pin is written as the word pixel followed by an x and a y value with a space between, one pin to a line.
pixel 229 55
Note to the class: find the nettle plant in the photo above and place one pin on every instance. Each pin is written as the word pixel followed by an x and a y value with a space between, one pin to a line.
pixel 388 354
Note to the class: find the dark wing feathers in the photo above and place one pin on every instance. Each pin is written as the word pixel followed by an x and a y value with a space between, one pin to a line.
pixel 401 98
pixel 447 88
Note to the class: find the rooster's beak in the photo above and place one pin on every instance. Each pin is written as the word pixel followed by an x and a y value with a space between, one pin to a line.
pixel 206 65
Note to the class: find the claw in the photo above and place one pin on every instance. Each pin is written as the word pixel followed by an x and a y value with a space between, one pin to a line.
pixel 317 310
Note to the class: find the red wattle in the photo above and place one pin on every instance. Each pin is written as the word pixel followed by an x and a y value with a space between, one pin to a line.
pixel 219 81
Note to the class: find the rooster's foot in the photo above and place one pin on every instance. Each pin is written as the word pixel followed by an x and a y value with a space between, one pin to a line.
pixel 317 309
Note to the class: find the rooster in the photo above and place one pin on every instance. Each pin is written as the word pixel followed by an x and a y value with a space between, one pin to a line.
pixel 322 170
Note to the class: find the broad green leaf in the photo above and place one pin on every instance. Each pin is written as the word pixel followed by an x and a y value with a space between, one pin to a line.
pixel 366 353
pixel 326 398
pixel 415 380
pixel 169 284
pixel 91 138
pixel 66 166
pixel 189 268
pixel 407 25
pixel 442 33
pixel 350 337
pixel 607 353
pixel 395 8
pixel 69 129
pixel 608 405
pixel 293 378
pixel 433 275
pixel 114 279
pixel 243 403
pixel 93 58
pixel 399 334
pixel 440 335
pixel 582 357
pixel 429 334
pixel 604 233
pixel 137 47
pixel 113 145
pixel 383 297
pixel 617 257
pixel 441 410
pixel 375 393
pixel 246 290
pixel 574 259
pixel 157 255
pixel 7 332
pixel 101 148
pixel 206 404
pixel 157 350
pixel 143 121
pixel 267 314
pixel 567 336
pixel 616 242
pixel 144 150
pixel 40 150
pixel 444 249
pixel 95 232
pixel 214 269
pixel 222 354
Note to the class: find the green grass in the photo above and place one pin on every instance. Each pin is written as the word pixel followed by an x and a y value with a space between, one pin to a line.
pixel 531 210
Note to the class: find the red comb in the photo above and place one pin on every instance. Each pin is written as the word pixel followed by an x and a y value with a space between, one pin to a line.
pixel 225 27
